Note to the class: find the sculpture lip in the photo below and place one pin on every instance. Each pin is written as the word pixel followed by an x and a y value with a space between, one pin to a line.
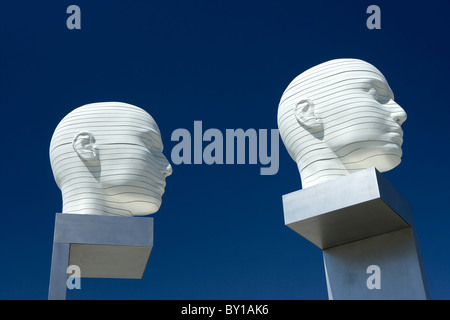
pixel 397 136
pixel 161 186
pixel 399 131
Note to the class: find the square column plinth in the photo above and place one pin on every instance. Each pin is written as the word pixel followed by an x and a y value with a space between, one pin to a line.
pixel 101 246
pixel 360 221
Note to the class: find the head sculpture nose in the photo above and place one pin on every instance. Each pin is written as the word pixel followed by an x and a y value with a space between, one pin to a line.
pixel 398 114
pixel 166 169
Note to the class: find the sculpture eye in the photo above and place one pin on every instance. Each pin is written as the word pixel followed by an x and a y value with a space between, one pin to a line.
pixel 149 145
pixel 379 95
pixel 152 142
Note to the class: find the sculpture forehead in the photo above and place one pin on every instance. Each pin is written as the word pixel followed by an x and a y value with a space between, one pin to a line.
pixel 345 67
pixel 111 114
pixel 107 120
pixel 338 73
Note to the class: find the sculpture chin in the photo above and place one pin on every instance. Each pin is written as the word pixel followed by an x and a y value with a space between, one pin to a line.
pixel 382 163
pixel 389 159
pixel 144 208
pixel 140 202
pixel 383 156
pixel 388 163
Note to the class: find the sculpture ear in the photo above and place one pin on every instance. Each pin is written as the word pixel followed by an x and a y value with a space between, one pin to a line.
pixel 306 116
pixel 84 146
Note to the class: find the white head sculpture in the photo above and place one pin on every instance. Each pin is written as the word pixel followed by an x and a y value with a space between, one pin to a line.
pixel 340 117
pixel 107 160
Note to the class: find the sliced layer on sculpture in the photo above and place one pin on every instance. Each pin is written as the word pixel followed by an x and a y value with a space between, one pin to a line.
pixel 340 117
pixel 107 159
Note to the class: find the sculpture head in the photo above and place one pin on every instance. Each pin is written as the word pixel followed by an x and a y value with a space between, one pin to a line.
pixel 340 117
pixel 107 159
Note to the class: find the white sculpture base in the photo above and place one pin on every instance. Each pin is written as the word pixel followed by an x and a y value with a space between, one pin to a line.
pixel 360 220
pixel 101 246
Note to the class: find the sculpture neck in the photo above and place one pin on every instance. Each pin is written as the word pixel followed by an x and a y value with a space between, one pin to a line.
pixel 322 170
pixel 90 200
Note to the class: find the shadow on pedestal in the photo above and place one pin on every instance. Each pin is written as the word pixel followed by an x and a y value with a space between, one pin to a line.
pixel 101 246
pixel 359 221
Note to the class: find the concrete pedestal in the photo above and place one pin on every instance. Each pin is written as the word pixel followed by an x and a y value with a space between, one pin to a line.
pixel 359 221
pixel 101 246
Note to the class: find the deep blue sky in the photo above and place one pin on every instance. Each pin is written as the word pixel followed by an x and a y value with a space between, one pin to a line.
pixel 220 232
